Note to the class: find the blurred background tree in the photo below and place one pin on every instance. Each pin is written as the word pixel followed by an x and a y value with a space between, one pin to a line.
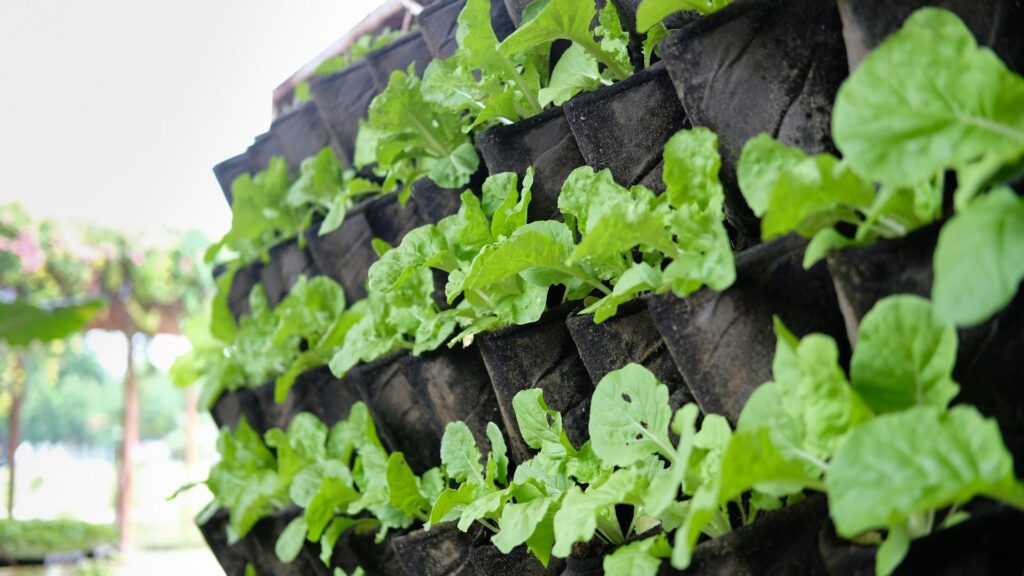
pixel 60 280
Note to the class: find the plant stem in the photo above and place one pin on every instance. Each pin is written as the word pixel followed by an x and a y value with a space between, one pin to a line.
pixel 531 98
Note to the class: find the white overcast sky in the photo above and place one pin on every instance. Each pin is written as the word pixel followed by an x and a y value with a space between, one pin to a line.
pixel 115 111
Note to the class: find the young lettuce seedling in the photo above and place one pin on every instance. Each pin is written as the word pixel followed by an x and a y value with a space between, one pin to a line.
pixel 407 137
pixel 345 480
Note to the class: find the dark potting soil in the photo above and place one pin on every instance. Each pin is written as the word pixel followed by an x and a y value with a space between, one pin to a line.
pixel 723 342
pixel 759 66
pixel 544 142
pixel 439 23
pixel 378 559
pixel 345 254
pixel 624 127
pixel 988 543
pixel 264 147
pixel 410 49
pixel 301 133
pixel 444 550
pixel 457 388
pixel 241 285
pixel 539 355
pixel 489 561
pixel 781 543
pixel 231 557
pixel 404 420
pixel 389 220
pixel 342 100
pixel 995 23
pixel 228 170
pixel 629 336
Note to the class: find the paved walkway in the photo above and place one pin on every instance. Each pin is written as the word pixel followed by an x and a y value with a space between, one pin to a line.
pixel 190 561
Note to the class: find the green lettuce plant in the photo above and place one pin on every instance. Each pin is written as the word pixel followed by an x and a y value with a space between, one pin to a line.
pixel 406 318
pixel 500 268
pixel 271 206
pixel 564 495
pixel 901 131
pixel 344 480
pixel 863 440
pixel 277 344
pixel 407 137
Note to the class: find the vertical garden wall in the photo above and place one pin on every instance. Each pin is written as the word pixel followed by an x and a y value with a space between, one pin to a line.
pixel 630 288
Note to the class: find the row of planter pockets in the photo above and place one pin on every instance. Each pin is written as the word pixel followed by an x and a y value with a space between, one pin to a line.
pixel 795 541
pixel 711 348
pixel 622 128
pixel 340 100
pixel 757 66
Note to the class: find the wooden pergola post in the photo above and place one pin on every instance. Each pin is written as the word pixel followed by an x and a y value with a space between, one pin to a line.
pixel 130 437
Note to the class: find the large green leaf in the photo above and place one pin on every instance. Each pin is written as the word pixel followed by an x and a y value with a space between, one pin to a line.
pixel 916 461
pixel 629 417
pixel 460 455
pixel 928 99
pixel 904 356
pixel 979 259
pixel 22 323
pixel 813 194
pixel 763 160
pixel 650 12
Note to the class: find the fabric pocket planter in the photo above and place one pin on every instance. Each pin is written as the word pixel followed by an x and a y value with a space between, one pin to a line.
pixel 864 275
pixel 989 365
pixel 301 133
pixel 388 219
pixel 241 285
pixel 759 66
pixel 304 396
pixel 403 417
pixel 232 405
pixel 995 23
pixel 439 22
pixel 624 127
pixel 228 170
pixel 544 142
pixel 444 550
pixel 264 147
pixel 434 203
pixel 410 49
pixel 723 342
pixel 342 100
pixel 345 254
pixel 780 543
pixel 539 355
pixel 987 543
pixel 262 541
pixel 629 336
pixel 456 387
pixel 287 263
pixel 515 9
pixel 231 557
